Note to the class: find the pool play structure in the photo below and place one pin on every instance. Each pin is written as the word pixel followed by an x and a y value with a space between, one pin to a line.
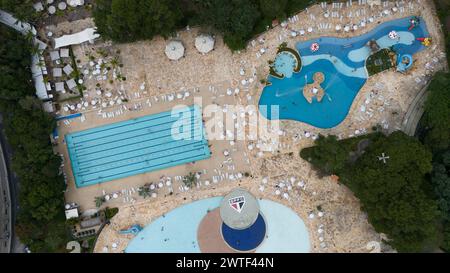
pixel 342 61
pixel 235 223
pixel 137 146
pixel 285 64
pixel 134 230
pixel 405 62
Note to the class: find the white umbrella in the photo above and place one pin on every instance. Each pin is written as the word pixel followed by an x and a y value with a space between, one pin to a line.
pixel 62 6
pixel 204 43
pixel 51 9
pixel 346 28
pixel 310 29
pixel 302 32
pixel 174 50
pixel 338 27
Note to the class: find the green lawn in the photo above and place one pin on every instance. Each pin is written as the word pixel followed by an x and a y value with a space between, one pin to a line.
pixel 379 62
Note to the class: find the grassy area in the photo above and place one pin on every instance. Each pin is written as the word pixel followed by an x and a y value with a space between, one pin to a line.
pixel 111 212
pixel 379 62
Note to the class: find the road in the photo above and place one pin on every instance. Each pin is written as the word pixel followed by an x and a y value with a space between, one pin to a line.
pixel 415 112
pixel 11 190
pixel 5 207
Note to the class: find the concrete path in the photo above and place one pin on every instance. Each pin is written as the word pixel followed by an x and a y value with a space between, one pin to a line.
pixel 5 207
pixel 415 112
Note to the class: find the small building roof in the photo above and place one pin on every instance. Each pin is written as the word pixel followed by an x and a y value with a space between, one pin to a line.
pixel 68 69
pixel 59 87
pixel 64 52
pixel 174 50
pixel 57 72
pixel 71 84
pixel 91 222
pixel 72 213
pixel 54 55
pixel 86 35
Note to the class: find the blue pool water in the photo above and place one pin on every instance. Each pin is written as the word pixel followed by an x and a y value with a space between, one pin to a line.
pixel 342 61
pixel 176 232
pixel 285 64
pixel 245 239
pixel 137 146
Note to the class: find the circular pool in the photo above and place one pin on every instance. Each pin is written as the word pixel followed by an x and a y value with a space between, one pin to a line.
pixel 178 231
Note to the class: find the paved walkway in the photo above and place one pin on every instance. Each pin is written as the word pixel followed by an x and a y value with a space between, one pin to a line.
pixel 415 112
pixel 5 207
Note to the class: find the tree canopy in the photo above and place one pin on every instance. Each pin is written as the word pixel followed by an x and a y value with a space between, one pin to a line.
pixel 131 20
pixel 237 20
pixel 394 194
pixel 27 128
pixel 436 120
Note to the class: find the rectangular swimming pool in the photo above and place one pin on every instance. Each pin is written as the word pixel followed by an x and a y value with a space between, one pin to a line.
pixel 137 146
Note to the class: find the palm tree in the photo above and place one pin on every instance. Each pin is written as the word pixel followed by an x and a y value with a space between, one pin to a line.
pixel 115 62
pixel 29 36
pixel 190 180
pixel 145 191
pixel 99 200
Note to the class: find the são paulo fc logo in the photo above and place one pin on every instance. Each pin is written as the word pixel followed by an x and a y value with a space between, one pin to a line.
pixel 237 203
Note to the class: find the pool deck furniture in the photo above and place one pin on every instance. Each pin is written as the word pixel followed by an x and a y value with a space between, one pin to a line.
pixel 315 89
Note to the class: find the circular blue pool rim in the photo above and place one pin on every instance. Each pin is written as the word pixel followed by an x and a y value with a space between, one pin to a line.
pixel 245 240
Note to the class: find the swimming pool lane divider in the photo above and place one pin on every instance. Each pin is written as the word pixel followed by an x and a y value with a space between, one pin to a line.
pixel 136 146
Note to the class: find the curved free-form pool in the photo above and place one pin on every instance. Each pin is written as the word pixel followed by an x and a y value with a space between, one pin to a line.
pixel 176 231
pixel 342 61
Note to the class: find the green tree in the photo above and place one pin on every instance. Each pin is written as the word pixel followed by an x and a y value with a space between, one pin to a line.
pixel 271 9
pixel 395 194
pixel 99 200
pixel 436 119
pixel 132 20
pixel 234 19
pixel 190 180
pixel 328 154
pixel 440 180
